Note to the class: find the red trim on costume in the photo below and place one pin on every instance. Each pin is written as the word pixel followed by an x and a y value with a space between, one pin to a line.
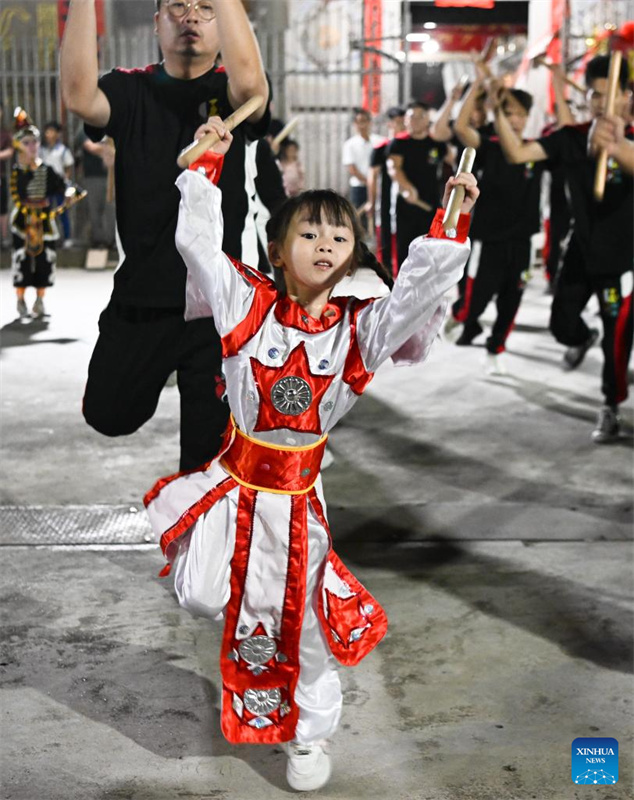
pixel 265 296
pixel 354 372
pixel 162 482
pixel 621 349
pixel 436 230
pixel 290 314
pixel 187 519
pixel 354 622
pixel 281 674
pixel 211 163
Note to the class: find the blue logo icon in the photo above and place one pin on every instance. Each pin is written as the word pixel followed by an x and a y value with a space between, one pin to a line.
pixel 595 761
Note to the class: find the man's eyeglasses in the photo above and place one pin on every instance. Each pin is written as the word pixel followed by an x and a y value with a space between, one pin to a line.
pixel 179 9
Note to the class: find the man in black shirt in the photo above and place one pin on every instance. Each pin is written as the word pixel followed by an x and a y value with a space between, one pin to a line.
pixel 415 163
pixel 502 227
pixel 600 254
pixel 152 114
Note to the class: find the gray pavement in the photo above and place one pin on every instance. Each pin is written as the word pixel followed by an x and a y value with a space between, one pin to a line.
pixel 476 509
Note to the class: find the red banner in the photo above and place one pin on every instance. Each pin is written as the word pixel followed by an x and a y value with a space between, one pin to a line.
pixel 466 38
pixel 372 32
pixel 464 3
pixel 62 15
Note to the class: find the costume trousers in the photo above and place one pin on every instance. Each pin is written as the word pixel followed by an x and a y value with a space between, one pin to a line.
pixel 411 222
pixel 501 274
pixel 37 271
pixel 574 287
pixel 136 351
pixel 202 573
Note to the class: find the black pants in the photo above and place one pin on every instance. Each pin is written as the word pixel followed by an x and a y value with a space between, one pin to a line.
pixel 37 271
pixel 411 221
pixel 500 274
pixel 136 351
pixel 573 288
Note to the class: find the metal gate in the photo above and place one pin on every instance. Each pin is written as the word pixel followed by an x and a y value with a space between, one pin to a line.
pixel 322 66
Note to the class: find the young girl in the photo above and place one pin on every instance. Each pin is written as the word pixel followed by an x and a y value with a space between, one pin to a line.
pixel 33 224
pixel 247 535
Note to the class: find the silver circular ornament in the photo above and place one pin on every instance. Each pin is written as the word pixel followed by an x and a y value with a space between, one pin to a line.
pixel 257 650
pixel 262 701
pixel 291 395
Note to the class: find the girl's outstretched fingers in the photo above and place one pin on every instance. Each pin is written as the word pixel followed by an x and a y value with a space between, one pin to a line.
pixel 472 192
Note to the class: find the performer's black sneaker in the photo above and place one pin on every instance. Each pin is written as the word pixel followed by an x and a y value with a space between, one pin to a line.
pixel 575 355
pixel 470 332
pixel 608 427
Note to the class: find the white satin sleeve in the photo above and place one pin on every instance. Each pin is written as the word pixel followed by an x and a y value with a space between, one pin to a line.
pixel 214 286
pixel 405 323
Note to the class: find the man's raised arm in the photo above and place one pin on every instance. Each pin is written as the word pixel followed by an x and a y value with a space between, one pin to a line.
pixel 79 67
pixel 240 56
pixel 515 150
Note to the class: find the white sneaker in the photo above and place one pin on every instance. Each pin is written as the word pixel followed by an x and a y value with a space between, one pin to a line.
pixel 38 308
pixel 494 364
pixel 308 766
pixel 23 311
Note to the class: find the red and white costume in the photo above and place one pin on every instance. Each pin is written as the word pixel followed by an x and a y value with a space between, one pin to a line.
pixel 247 534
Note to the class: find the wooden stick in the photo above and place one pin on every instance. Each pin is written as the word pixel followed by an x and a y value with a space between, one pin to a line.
pixel 602 160
pixel 110 178
pixel 539 61
pixel 456 198
pixel 288 128
pixel 193 151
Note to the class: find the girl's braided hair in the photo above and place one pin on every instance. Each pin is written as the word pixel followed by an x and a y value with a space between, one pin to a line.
pixel 336 210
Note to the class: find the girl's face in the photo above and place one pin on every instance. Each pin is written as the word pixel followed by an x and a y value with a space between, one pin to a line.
pixel 30 148
pixel 315 256
pixel 291 153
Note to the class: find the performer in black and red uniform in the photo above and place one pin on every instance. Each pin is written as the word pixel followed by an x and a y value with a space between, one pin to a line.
pixel 33 224
pixel 502 226
pixel 415 165
pixel 601 250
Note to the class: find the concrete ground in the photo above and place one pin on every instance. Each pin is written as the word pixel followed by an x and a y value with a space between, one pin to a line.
pixel 476 509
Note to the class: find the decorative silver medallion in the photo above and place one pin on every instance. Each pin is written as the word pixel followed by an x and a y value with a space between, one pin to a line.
pixel 257 650
pixel 262 701
pixel 291 395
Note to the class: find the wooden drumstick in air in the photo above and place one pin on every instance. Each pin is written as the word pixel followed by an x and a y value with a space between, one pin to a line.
pixel 539 61
pixel 601 172
pixel 286 130
pixel 195 150
pixel 456 198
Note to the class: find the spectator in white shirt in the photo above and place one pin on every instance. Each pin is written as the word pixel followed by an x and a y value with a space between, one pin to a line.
pixel 55 154
pixel 357 152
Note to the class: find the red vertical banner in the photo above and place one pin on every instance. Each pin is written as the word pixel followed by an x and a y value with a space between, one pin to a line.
pixel 372 33
pixel 62 15
pixel 558 14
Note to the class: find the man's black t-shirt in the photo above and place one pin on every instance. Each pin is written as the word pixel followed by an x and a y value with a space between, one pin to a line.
pixel 604 229
pixel 508 206
pixel 422 165
pixel 153 117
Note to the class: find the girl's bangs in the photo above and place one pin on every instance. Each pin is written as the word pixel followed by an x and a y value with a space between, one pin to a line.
pixel 326 206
